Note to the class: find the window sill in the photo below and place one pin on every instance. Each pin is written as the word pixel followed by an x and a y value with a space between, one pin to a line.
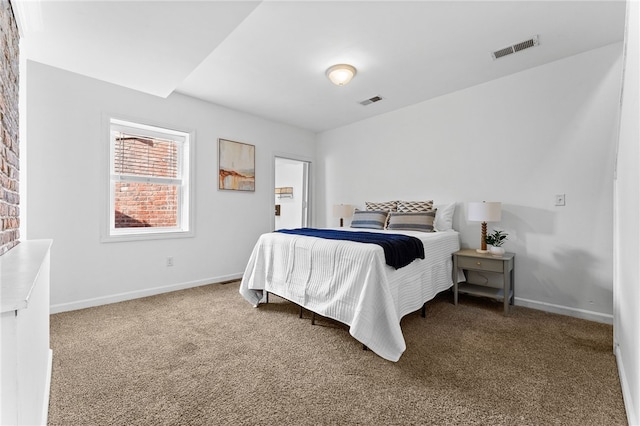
pixel 157 235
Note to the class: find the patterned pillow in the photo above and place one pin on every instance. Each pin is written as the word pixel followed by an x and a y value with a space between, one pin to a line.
pixel 415 206
pixel 371 219
pixel 422 221
pixel 387 206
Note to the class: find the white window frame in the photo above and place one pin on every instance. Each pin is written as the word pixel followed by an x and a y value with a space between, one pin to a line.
pixel 185 140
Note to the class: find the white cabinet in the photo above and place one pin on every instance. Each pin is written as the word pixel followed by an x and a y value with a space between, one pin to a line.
pixel 25 363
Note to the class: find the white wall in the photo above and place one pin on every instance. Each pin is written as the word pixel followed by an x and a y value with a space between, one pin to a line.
pixel 519 140
pixel 67 181
pixel 627 208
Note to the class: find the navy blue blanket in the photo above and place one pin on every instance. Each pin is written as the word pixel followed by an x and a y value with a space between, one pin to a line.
pixel 399 250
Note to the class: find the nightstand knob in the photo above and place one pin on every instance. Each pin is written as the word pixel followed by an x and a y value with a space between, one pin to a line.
pixel 478 263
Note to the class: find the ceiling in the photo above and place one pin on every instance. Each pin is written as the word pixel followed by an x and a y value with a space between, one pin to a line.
pixel 269 58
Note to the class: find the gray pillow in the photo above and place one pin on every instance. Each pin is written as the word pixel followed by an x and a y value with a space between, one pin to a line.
pixel 372 219
pixel 422 221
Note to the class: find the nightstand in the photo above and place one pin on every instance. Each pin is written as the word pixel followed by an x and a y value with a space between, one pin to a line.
pixel 471 260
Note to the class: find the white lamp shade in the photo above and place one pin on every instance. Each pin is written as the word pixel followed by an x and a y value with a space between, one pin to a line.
pixel 342 210
pixel 341 74
pixel 485 211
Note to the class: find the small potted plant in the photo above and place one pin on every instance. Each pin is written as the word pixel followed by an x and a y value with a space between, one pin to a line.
pixel 495 240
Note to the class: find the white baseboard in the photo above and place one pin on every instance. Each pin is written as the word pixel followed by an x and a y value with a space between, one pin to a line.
pixel 632 415
pixel 136 294
pixel 565 310
pixel 47 391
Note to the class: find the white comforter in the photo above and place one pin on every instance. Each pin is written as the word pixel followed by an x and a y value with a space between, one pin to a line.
pixel 350 282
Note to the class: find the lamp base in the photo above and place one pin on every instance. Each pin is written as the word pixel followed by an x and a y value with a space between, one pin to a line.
pixel 482 251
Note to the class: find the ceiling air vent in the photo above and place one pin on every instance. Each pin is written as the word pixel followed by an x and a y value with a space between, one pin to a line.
pixel 533 41
pixel 371 100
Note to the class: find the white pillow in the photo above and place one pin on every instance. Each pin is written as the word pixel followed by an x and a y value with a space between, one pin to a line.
pixel 444 217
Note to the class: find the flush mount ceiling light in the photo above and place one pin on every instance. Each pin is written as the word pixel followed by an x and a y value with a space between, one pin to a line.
pixel 341 74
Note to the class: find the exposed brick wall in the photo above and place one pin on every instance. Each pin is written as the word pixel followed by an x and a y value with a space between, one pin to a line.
pixel 145 204
pixel 9 152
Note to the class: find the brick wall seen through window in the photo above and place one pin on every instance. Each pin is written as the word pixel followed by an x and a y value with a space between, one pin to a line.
pixel 142 204
pixel 149 185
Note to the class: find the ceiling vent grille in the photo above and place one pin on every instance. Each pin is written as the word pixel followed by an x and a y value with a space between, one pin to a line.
pixel 371 100
pixel 533 41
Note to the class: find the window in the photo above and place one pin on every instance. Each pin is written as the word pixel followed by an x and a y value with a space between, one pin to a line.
pixel 149 181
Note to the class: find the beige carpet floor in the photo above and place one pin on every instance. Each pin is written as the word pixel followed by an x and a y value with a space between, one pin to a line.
pixel 205 356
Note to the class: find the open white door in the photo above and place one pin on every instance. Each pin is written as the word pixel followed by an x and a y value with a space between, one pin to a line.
pixel 291 179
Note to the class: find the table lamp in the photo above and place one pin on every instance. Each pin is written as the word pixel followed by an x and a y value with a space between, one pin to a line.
pixel 342 211
pixel 484 212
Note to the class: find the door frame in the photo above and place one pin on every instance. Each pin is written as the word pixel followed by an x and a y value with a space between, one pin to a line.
pixel 308 189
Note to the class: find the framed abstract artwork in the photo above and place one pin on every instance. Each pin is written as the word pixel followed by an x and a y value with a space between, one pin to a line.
pixel 236 166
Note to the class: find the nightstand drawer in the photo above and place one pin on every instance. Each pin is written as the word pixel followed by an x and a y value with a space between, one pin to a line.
pixel 479 264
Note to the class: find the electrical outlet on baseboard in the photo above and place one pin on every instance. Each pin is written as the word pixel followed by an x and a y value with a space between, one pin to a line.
pixel 560 200
pixel 170 261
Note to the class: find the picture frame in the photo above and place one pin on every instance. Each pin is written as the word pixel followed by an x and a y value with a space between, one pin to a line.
pixel 236 166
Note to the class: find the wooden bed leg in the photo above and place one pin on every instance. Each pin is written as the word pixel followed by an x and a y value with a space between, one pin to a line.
pixel 267 299
pixel 300 311
pixel 423 312
pixel 364 347
pixel 313 318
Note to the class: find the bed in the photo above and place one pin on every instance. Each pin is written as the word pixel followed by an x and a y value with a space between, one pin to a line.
pixel 350 282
